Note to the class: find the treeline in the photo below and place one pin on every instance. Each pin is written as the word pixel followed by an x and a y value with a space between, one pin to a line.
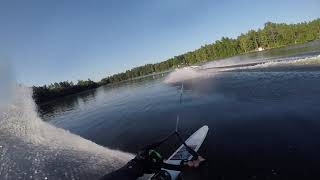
pixel 46 93
pixel 272 35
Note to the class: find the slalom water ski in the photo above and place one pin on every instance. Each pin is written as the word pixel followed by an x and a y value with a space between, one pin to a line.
pixel 183 153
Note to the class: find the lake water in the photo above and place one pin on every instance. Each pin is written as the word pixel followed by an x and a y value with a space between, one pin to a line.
pixel 263 111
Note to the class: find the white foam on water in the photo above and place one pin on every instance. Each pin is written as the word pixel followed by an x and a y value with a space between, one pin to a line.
pixel 33 149
pixel 315 60
pixel 189 73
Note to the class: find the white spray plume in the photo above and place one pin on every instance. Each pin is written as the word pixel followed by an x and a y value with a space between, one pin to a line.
pixel 187 73
pixel 33 149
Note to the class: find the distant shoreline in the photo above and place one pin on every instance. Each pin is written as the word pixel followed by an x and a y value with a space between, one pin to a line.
pixel 50 100
pixel 272 36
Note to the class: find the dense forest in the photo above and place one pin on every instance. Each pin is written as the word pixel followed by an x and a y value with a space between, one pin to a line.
pixel 272 35
pixel 45 93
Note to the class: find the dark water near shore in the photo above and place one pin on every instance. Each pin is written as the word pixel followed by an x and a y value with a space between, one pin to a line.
pixel 264 118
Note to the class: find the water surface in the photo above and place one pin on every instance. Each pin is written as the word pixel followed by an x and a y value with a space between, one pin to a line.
pixel 262 110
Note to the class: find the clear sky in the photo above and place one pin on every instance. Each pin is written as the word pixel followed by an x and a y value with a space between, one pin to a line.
pixel 55 40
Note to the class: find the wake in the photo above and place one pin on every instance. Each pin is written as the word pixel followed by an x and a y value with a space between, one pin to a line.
pixel 205 71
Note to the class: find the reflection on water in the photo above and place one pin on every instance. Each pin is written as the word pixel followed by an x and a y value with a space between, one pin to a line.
pixel 68 103
pixel 72 102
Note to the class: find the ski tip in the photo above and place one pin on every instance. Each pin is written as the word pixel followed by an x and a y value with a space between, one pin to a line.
pixel 205 127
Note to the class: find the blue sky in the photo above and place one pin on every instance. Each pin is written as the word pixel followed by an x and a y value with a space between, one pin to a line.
pixel 48 41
